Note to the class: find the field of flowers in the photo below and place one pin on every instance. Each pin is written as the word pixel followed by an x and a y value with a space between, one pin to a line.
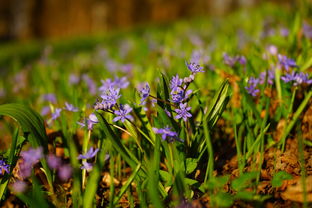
pixel 211 112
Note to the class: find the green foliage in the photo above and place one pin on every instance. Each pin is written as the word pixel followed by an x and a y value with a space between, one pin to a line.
pixel 279 177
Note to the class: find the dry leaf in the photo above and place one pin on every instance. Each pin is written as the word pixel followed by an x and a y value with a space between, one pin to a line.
pixel 295 192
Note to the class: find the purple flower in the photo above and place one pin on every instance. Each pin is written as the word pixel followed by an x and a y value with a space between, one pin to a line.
pixel 123 113
pixel 64 172
pixel 87 166
pixel 56 113
pixel 110 96
pixel 111 65
pixel 19 186
pixel 286 62
pixel 178 95
pixel 307 30
pixel 126 68
pixel 70 107
pixel 45 110
pixel 183 112
pixel 117 83
pixel 194 67
pixel 167 134
pixel 231 61
pixel 73 79
pixel 144 92
pixel 297 78
pixel 271 76
pixel 90 154
pixel 284 32
pixel 4 167
pixel 50 97
pixel 90 121
pixel 53 161
pixel 106 84
pixel 30 158
pixel 90 83
pixel 121 82
pixel 251 89
pixel 272 49
pixel 175 82
pixel 199 55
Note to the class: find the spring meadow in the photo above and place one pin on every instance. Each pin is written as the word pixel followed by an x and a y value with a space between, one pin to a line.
pixel 208 112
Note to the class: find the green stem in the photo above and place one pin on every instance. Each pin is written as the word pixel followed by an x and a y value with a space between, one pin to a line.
pixel 294 120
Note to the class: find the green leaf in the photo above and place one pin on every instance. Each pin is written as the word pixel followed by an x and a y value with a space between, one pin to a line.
pixel 120 148
pixel 191 164
pixel 222 199
pixel 279 177
pixel 244 181
pixel 244 195
pixel 218 104
pixel 217 182
pixel 30 122
pixel 33 128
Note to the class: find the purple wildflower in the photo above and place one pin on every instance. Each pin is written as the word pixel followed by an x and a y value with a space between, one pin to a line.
pixel 111 65
pixel 179 95
pixel 121 82
pixel 284 32
pixel 70 107
pixel 126 68
pixel 123 113
pixel 45 110
pixel 90 121
pixel 106 84
pixel 144 92
pixel 183 112
pixel 272 49
pixel 297 78
pixel 231 61
pixel 307 30
pixel 30 158
pixel 74 79
pixel 50 97
pixel 53 161
pixel 271 76
pixel 56 114
pixel 194 67
pixel 286 62
pixel 64 172
pixel 110 96
pixel 87 166
pixel 4 167
pixel 90 83
pixel 19 186
pixel 175 82
pixel 167 134
pixel 251 89
pixel 90 154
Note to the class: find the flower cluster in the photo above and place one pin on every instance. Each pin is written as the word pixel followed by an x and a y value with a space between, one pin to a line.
pixel 4 167
pixel 252 84
pixel 90 154
pixel 167 134
pixel 64 170
pixel 286 62
pixel 30 158
pixel 231 61
pixel 297 78
pixel 90 122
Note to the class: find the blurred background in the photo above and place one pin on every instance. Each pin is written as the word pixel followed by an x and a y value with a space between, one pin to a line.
pixel 50 19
